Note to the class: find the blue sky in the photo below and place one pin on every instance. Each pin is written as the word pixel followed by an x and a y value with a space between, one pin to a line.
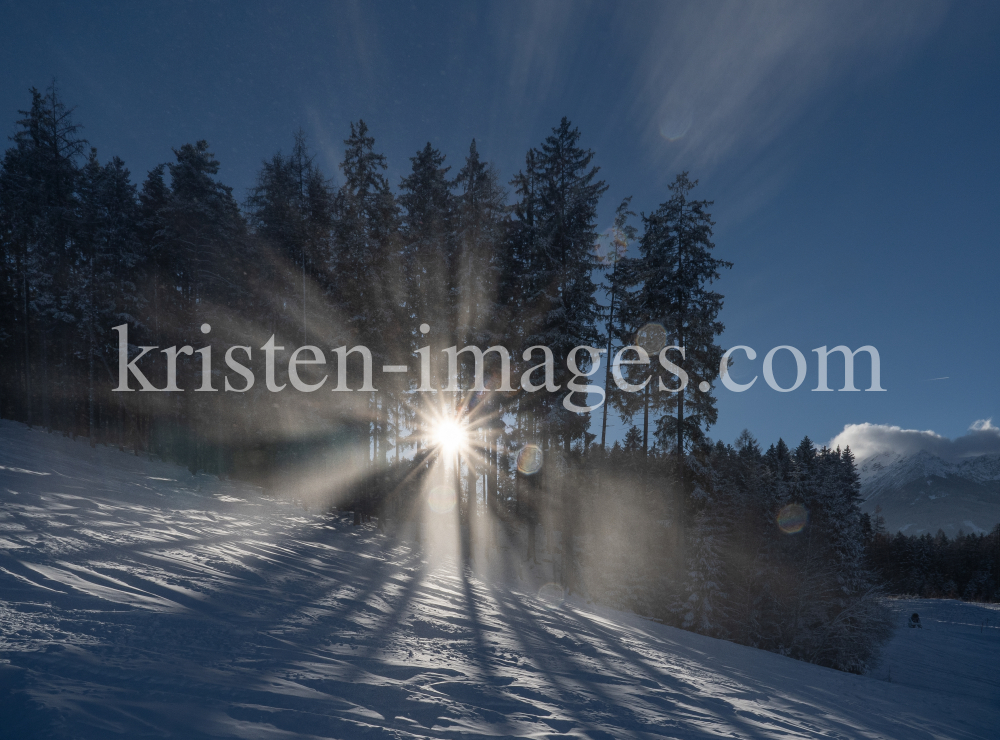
pixel 851 149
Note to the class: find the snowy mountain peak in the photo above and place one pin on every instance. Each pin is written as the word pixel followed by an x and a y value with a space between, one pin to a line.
pixel 923 493
pixel 874 465
pixel 983 468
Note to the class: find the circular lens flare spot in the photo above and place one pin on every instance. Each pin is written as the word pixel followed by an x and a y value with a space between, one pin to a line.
pixel 652 338
pixel 529 460
pixel 441 499
pixel 793 518
pixel 552 592
pixel 449 435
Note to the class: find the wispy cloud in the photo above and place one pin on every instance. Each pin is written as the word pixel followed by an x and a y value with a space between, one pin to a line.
pixel 866 440
pixel 720 78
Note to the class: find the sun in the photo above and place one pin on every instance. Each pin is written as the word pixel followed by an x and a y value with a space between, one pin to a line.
pixel 449 435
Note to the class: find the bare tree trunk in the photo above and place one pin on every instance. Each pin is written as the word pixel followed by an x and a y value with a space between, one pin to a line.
pixel 46 416
pixel 27 355
pixel 472 515
pixel 90 385
pixel 645 422
pixel 568 531
pixel 607 365
pixel 399 428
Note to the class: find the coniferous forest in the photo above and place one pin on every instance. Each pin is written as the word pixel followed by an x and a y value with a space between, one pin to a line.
pixel 936 566
pixel 765 547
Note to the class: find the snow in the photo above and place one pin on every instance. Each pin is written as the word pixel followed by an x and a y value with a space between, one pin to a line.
pixel 892 469
pixel 922 493
pixel 982 468
pixel 137 600
pixel 875 465
pixel 947 654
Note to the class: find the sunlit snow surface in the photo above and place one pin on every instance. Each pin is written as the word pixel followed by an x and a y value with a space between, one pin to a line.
pixel 137 600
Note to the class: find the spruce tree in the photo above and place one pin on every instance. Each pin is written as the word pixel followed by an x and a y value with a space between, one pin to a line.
pixel 622 234
pixel 481 220
pixel 518 286
pixel 157 284
pixel 370 292
pixel 365 221
pixel 203 234
pixel 39 192
pixel 672 280
pixel 290 212
pixel 429 248
pixel 480 227
pixel 562 307
pixel 107 293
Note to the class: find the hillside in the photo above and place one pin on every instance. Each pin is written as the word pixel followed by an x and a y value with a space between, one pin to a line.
pixel 137 600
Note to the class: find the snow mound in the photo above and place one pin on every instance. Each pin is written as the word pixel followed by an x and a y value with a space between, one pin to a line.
pixel 138 600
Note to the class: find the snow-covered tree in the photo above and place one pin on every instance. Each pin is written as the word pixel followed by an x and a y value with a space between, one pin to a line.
pixel 38 202
pixel 672 287
pixel 289 210
pixel 370 293
pixel 704 583
pixel 107 292
pixel 622 234
pixel 560 194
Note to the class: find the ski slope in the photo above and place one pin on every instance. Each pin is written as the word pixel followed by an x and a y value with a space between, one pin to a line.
pixel 137 600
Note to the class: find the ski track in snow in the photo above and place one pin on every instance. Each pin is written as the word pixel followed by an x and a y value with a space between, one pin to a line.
pixel 137 600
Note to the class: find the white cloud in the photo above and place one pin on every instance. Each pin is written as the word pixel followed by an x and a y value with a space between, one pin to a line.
pixel 866 440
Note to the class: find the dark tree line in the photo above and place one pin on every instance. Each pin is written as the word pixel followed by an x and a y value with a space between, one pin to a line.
pixel 772 555
pixel 934 566
pixel 666 523
pixel 86 249
pixel 803 588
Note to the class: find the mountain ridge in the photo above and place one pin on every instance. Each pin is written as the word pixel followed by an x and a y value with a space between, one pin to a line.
pixel 923 493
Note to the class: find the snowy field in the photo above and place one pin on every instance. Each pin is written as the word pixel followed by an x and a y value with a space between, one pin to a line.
pixel 137 600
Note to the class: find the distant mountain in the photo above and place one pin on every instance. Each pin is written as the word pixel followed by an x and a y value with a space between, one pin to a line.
pixel 923 493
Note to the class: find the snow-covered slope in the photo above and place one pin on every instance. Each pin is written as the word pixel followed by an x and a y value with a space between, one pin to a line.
pixel 137 600
pixel 954 651
pixel 923 493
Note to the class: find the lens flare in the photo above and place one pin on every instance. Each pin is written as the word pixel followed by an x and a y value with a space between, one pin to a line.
pixel 450 435
pixel 552 592
pixel 441 499
pixel 793 518
pixel 652 338
pixel 529 460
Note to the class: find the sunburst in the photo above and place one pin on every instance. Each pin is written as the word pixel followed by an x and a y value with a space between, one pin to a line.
pixel 450 435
